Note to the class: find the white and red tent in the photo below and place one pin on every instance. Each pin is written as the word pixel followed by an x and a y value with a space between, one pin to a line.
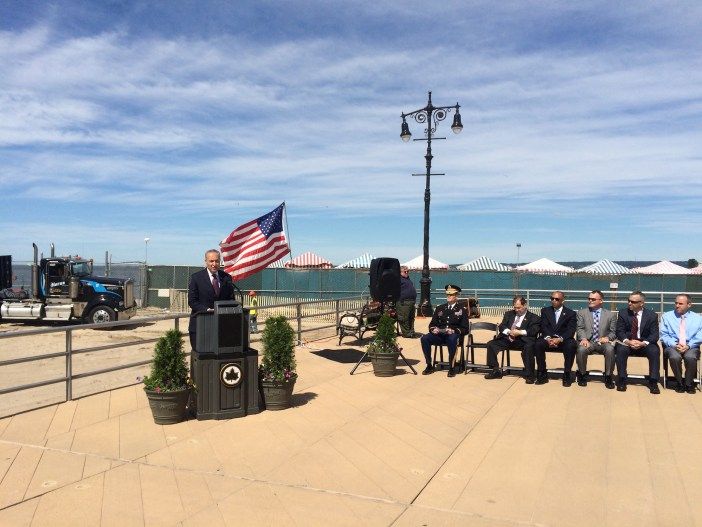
pixel 309 260
pixel 418 263
pixel 663 267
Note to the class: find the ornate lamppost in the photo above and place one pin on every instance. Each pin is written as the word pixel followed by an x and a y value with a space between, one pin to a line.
pixel 431 115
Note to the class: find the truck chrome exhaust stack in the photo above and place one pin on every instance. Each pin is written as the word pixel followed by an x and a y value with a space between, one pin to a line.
pixel 35 273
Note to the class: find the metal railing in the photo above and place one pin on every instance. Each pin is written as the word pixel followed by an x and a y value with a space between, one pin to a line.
pixel 308 317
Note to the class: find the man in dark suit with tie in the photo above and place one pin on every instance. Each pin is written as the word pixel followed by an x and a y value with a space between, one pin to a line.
pixel 637 333
pixel 557 334
pixel 205 287
pixel 517 331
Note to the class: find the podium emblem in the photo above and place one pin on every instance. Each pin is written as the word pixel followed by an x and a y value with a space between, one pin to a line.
pixel 230 375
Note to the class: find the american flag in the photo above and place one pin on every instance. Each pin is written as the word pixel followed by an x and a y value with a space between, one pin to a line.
pixel 255 244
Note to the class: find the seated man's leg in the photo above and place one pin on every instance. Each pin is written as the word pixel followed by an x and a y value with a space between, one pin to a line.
pixel 540 352
pixel 675 360
pixel 691 357
pixel 527 350
pixel 427 341
pixel 653 353
pixel 494 347
pixel 621 358
pixel 451 344
pixel 568 347
pixel 608 352
pixel 581 354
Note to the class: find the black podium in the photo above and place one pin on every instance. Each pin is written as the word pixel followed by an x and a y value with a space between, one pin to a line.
pixel 225 368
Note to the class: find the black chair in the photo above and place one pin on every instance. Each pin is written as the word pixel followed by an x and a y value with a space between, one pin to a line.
pixel 441 364
pixel 472 344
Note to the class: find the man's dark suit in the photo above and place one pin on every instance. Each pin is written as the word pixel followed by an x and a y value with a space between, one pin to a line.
pixel 201 295
pixel 525 343
pixel 648 331
pixel 564 328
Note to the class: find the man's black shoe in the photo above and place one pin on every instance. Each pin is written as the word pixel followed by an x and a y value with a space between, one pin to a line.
pixel 691 389
pixel 679 388
pixel 541 378
pixel 609 382
pixel 494 374
pixel 428 370
pixel 621 387
pixel 582 379
pixel 452 372
pixel 653 387
pixel 567 379
pixel 529 379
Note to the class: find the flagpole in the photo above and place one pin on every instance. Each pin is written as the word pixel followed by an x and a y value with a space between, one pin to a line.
pixel 287 230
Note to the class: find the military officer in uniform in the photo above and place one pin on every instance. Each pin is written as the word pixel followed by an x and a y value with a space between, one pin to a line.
pixel 449 322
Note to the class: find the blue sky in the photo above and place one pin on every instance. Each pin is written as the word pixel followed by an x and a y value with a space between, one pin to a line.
pixel 178 121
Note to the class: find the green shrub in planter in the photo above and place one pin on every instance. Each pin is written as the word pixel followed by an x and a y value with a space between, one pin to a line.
pixel 278 341
pixel 385 340
pixel 169 371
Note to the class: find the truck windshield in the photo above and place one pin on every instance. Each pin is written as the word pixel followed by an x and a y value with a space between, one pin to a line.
pixel 80 269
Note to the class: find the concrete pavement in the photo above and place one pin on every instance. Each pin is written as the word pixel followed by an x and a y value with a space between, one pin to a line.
pixel 406 450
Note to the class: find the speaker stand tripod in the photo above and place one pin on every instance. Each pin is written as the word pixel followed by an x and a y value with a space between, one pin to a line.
pixel 365 354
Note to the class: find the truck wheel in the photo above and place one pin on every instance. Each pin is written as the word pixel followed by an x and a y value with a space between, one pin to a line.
pixel 101 314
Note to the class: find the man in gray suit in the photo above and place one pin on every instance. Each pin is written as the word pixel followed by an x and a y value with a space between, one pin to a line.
pixel 595 332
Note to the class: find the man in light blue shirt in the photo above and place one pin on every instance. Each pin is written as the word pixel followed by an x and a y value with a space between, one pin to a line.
pixel 681 335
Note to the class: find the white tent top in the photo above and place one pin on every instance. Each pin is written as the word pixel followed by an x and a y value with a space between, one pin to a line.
pixel 545 266
pixel 309 260
pixel 483 264
pixel 418 263
pixel 605 267
pixel 664 267
pixel 361 262
pixel 696 270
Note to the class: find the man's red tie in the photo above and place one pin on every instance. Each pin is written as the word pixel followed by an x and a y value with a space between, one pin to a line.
pixel 215 284
pixel 634 328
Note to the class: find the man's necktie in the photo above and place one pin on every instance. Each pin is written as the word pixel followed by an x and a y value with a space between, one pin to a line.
pixel 595 324
pixel 514 326
pixel 682 337
pixel 634 328
pixel 215 284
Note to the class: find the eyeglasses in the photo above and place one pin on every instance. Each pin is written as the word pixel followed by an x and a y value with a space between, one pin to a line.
pixel 634 301
pixel 557 299
pixel 591 299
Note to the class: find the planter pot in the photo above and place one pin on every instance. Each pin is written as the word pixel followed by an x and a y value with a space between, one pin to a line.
pixel 384 364
pixel 277 395
pixel 168 407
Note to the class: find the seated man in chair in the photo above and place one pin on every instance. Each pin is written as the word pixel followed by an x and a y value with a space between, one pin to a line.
pixel 557 334
pixel 518 331
pixel 681 335
pixel 637 333
pixel 449 322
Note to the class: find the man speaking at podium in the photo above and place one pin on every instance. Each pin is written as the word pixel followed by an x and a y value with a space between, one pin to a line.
pixel 206 287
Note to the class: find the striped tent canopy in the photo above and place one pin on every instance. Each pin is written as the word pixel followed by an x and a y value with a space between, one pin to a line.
pixel 483 264
pixel 664 267
pixel 696 270
pixel 544 266
pixel 361 262
pixel 309 261
pixel 278 264
pixel 418 263
pixel 605 267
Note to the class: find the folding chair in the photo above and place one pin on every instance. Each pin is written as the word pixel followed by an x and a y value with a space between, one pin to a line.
pixel 441 364
pixel 472 344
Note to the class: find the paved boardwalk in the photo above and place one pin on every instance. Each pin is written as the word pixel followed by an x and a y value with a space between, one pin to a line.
pixel 363 450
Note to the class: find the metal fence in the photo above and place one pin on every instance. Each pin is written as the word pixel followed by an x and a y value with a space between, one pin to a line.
pixel 103 357
pixel 314 284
